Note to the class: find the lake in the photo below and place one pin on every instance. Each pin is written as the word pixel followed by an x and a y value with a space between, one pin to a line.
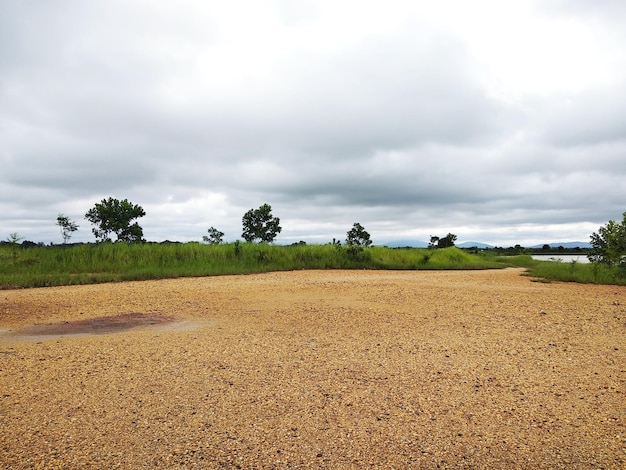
pixel 562 258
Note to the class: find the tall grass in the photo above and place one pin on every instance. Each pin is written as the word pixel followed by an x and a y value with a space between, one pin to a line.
pixel 107 262
pixel 584 273
pixel 588 273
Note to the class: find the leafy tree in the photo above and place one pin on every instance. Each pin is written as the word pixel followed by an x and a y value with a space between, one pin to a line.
pixel 358 236
pixel 445 242
pixel 14 239
pixel 434 241
pixel 67 227
pixel 215 237
pixel 608 245
pixel 259 224
pixel 114 216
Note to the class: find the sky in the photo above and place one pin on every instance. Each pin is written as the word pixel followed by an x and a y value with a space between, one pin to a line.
pixel 500 122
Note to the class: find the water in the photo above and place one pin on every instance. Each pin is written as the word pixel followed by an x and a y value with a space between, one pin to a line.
pixel 562 258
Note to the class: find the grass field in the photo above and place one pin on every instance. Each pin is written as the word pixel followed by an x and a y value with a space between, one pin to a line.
pixel 41 266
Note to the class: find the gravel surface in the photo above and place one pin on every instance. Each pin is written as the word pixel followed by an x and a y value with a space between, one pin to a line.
pixel 316 369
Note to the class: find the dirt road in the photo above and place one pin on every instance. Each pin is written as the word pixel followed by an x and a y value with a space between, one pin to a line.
pixel 315 369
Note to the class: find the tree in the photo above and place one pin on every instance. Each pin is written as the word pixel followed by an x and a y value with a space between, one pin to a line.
pixel 259 224
pixel 67 227
pixel 358 236
pixel 608 245
pixel 13 240
pixel 114 216
pixel 215 236
pixel 434 242
pixel 445 242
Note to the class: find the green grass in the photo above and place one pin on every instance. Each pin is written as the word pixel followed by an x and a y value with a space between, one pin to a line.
pixel 584 273
pixel 115 262
pixel 592 273
pixel 110 262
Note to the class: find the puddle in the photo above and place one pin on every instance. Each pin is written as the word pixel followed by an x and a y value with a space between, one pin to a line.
pixel 98 326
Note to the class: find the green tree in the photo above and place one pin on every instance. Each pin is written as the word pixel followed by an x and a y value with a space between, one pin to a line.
pixel 434 241
pixel 447 241
pixel 358 236
pixel 215 237
pixel 259 224
pixel 608 245
pixel 68 227
pixel 13 240
pixel 114 216
pixel 442 242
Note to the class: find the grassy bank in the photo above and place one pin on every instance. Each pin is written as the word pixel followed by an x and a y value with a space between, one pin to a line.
pixel 93 263
pixel 592 273
pixel 85 264
pixel 584 273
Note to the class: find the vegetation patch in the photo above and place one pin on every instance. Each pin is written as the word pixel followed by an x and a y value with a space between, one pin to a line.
pixel 42 266
pixel 132 258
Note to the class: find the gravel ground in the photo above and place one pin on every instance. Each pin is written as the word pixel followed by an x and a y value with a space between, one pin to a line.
pixel 316 369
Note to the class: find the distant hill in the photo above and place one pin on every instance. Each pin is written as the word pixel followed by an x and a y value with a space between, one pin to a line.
pixel 406 243
pixel 473 245
pixel 403 243
pixel 423 244
pixel 568 245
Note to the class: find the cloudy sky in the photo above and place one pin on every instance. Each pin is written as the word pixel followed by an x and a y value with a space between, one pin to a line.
pixel 501 122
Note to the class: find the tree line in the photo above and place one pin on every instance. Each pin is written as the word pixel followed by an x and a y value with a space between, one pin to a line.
pixel 114 217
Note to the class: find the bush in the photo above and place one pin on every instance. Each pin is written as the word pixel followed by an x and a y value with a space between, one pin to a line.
pixel 608 245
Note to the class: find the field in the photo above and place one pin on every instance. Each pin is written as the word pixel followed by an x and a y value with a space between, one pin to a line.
pixel 60 265
pixel 108 262
pixel 316 369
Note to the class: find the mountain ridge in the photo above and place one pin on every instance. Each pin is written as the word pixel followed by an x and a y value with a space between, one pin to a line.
pixel 409 243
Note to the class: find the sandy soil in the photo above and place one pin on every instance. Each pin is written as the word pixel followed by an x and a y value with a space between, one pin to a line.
pixel 322 369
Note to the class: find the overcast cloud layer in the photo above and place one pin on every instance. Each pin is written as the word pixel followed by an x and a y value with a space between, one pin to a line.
pixel 501 122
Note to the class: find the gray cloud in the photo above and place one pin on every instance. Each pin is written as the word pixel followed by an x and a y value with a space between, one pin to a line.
pixel 594 118
pixel 199 114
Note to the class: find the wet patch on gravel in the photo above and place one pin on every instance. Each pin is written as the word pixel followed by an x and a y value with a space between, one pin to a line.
pixel 94 326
